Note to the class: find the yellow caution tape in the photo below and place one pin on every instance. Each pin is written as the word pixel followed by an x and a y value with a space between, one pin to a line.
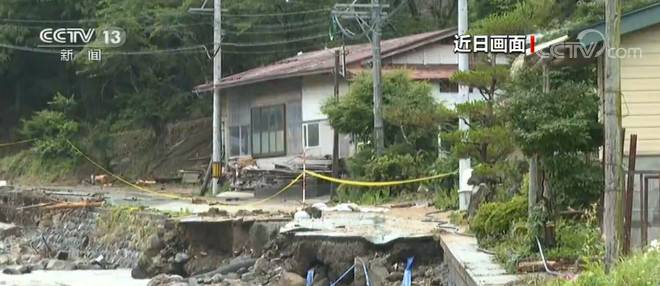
pixel 166 195
pixel 287 187
pixel 16 143
pixel 278 193
pixel 376 184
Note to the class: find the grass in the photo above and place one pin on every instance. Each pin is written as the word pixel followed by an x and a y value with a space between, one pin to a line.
pixel 125 223
pixel 640 269
pixel 27 166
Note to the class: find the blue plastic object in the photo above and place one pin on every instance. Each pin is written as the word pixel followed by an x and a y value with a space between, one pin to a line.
pixel 407 274
pixel 310 277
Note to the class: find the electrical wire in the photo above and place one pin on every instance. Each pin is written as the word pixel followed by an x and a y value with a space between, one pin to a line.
pixel 257 44
pixel 275 26
pixel 171 13
pixel 313 11
pixel 187 49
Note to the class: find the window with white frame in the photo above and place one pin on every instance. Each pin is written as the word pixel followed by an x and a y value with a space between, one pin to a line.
pixel 311 134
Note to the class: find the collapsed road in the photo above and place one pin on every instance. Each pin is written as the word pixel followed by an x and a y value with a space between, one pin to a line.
pixel 85 235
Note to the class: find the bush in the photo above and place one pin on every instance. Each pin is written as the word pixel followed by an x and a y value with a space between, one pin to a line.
pixel 446 199
pixel 577 240
pixel 641 269
pixel 51 129
pixel 494 220
pixel 365 166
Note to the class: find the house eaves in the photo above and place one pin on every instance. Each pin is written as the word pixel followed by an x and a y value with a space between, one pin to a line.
pixel 322 61
pixel 630 22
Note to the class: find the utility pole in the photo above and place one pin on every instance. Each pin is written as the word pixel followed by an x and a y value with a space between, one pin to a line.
pixel 356 12
pixel 464 164
pixel 379 132
pixel 335 136
pixel 217 112
pixel 612 123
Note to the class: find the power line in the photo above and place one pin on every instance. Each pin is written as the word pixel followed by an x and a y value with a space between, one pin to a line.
pixel 172 13
pixel 257 44
pixel 197 48
pixel 314 11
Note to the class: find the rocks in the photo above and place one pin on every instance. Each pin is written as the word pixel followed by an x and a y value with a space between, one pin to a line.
pixel 8 229
pixel 261 266
pixel 376 268
pixel 17 270
pixel 301 215
pixel 181 258
pixel 291 279
pixel 56 264
pixel 168 280
pixel 217 278
pixel 62 255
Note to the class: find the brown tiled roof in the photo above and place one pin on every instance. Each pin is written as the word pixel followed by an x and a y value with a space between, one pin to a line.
pixel 322 61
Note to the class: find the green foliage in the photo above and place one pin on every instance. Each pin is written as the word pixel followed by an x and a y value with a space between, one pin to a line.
pixel 522 18
pixel 446 199
pixel 458 218
pixel 513 249
pixel 29 167
pixel 410 113
pixel 564 120
pixel 577 180
pixel 640 269
pixel 389 167
pixel 577 240
pixel 124 223
pixel 488 140
pixel 494 220
pixel 52 129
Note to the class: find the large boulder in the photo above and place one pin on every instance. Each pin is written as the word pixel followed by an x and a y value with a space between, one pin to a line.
pixel 58 265
pixel 291 279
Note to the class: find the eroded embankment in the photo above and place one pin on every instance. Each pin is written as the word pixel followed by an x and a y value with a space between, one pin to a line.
pixel 216 248
pixel 230 250
pixel 60 238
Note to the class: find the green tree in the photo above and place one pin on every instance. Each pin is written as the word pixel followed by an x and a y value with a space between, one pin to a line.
pixel 488 140
pixel 52 128
pixel 412 119
pixel 559 127
pixel 411 114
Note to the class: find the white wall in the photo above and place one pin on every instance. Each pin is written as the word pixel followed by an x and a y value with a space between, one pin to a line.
pixel 428 55
pixel 315 91
pixel 450 99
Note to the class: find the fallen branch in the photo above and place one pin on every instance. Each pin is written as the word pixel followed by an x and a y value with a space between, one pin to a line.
pixel 35 206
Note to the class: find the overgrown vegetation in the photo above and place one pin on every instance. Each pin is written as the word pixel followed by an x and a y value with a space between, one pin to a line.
pixel 125 223
pixel 640 269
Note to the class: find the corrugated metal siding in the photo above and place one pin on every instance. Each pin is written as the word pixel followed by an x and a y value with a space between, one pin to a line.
pixel 640 86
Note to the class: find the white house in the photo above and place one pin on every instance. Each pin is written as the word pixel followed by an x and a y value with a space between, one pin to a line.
pixel 273 113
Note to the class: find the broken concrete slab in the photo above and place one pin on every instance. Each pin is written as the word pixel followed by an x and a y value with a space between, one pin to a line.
pixel 376 228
